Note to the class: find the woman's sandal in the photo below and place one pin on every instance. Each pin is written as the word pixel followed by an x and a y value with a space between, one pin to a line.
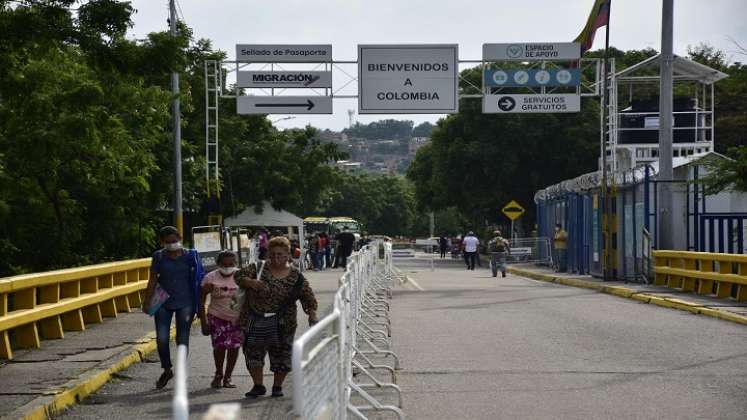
pixel 216 380
pixel 227 382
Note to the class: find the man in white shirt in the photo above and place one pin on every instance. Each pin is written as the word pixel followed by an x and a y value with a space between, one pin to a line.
pixel 469 245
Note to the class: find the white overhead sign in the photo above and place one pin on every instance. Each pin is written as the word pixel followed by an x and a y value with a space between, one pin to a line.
pixel 284 105
pixel 532 103
pixel 284 79
pixel 408 79
pixel 280 53
pixel 531 51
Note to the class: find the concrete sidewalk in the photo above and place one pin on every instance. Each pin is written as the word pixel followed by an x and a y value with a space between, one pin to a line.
pixel 64 372
pixel 726 309
pixel 36 377
pixel 477 347
pixel 132 394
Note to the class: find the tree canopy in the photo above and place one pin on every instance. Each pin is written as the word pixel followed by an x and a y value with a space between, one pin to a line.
pixel 86 146
pixel 381 130
pixel 478 162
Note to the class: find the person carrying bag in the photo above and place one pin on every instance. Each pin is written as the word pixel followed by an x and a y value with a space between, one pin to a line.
pixel 268 314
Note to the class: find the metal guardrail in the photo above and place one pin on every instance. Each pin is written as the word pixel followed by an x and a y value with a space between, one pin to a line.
pixel 705 273
pixel 353 338
pixel 45 305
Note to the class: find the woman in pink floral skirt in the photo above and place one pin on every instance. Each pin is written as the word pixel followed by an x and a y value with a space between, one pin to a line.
pixel 221 322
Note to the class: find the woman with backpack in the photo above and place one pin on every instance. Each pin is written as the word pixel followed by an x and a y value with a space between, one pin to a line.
pixel 268 314
pixel 173 292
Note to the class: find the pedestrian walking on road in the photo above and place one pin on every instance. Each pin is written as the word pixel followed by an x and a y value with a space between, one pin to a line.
pixel 268 315
pixel 222 322
pixel 443 245
pixel 173 291
pixel 312 249
pixel 560 244
pixel 345 243
pixel 325 250
pixel 470 244
pixel 499 250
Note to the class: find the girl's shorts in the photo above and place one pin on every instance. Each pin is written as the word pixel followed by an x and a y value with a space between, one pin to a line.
pixel 225 334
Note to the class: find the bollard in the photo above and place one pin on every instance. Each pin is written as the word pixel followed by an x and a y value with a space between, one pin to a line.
pixel 181 403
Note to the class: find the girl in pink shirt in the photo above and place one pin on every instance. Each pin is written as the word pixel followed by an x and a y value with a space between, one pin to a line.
pixel 221 322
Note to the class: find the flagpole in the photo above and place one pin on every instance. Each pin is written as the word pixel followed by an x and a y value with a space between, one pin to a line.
pixel 605 138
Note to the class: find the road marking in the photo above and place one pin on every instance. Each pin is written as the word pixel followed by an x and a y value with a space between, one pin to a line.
pixel 414 283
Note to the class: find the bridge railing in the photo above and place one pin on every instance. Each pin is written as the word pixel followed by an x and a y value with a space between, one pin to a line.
pixel 704 273
pixel 45 305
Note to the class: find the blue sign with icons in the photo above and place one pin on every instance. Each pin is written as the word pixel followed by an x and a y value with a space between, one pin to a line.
pixel 532 77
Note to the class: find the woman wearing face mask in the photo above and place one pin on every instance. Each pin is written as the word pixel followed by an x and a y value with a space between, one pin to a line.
pixel 178 272
pixel 221 322
pixel 269 313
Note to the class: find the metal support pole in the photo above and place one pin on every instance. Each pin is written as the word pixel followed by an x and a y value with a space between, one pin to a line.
pixel 606 132
pixel 511 235
pixel 175 109
pixel 666 222
pixel 432 226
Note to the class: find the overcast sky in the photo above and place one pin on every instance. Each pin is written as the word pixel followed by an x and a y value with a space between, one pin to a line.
pixel 635 24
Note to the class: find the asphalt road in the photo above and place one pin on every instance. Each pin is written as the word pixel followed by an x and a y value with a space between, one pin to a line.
pixel 132 394
pixel 477 347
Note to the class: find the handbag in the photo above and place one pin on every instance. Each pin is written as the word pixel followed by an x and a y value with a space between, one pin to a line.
pixel 239 298
pixel 269 329
pixel 157 299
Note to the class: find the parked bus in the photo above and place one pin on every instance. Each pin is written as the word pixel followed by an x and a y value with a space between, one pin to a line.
pixel 316 224
pixel 337 224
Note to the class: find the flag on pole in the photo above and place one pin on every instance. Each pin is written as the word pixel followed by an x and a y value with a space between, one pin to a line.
pixel 599 16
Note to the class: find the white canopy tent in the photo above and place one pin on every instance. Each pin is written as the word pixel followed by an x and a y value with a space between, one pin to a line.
pixel 269 217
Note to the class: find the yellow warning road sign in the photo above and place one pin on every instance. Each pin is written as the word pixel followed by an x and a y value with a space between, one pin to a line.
pixel 513 210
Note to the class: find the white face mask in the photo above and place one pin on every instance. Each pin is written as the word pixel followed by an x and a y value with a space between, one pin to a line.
pixel 227 271
pixel 175 246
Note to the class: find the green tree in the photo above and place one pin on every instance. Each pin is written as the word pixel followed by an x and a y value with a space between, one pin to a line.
pixel 730 121
pixel 478 162
pixel 384 204
pixel 76 137
pixel 423 130
pixel 728 174
pixel 381 130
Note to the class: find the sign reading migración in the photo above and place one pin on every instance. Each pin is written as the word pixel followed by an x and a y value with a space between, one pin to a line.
pixel 404 79
pixel 284 79
pixel 297 79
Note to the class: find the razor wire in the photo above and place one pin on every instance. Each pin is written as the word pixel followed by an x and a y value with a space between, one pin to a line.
pixel 352 342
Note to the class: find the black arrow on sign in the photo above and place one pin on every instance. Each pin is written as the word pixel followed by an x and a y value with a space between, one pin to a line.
pixel 309 105
pixel 506 103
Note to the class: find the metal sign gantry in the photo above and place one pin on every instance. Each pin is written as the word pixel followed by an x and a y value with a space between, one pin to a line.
pixel 392 79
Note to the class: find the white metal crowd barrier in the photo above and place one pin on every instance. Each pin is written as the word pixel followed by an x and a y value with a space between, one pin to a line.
pixel 349 343
pixel 180 402
pixel 530 250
